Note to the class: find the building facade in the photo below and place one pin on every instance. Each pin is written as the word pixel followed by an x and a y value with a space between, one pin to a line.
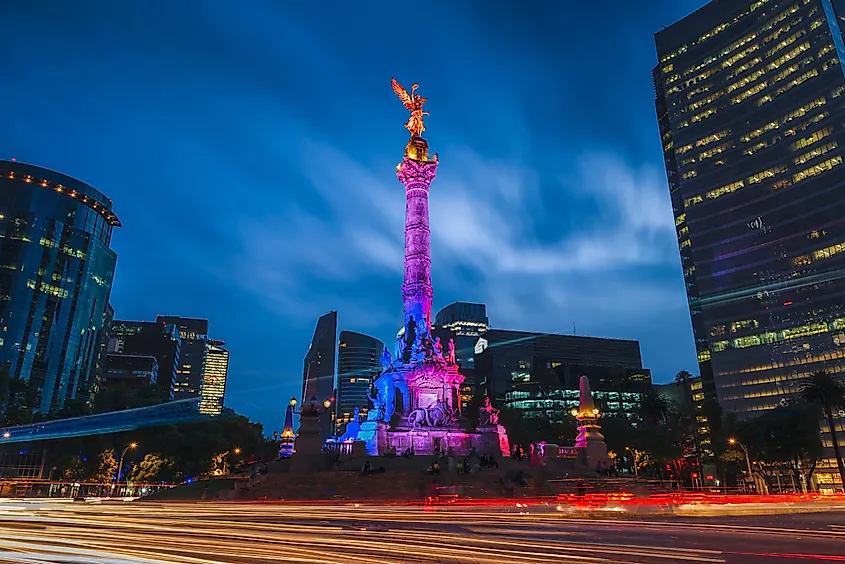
pixel 358 365
pixel 539 373
pixel 319 366
pixel 215 375
pixel 750 105
pixel 467 322
pixel 146 338
pixel 130 371
pixel 56 271
pixel 193 334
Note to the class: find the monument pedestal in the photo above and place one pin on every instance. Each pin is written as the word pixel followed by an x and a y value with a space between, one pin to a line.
pixel 374 434
pixel 493 440
pixel 591 442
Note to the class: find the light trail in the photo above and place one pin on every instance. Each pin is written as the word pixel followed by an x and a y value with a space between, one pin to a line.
pixel 234 533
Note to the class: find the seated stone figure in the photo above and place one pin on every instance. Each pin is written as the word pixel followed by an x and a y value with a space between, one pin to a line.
pixel 488 416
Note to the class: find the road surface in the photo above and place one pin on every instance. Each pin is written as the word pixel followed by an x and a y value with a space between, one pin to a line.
pixel 207 533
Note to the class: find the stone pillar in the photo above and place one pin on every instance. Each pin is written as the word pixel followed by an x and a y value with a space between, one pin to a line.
pixel 417 175
pixel 590 440
pixel 308 455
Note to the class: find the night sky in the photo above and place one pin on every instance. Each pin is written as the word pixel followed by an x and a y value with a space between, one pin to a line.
pixel 250 151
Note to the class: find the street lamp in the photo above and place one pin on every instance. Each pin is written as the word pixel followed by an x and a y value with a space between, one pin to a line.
pixel 293 402
pixel 120 461
pixel 7 434
pixel 733 441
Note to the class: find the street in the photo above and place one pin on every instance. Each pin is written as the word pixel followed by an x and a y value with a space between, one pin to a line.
pixel 253 533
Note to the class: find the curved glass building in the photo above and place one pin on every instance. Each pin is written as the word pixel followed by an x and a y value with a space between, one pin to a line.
pixel 56 271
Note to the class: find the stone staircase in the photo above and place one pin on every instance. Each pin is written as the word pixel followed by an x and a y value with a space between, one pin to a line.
pixel 406 479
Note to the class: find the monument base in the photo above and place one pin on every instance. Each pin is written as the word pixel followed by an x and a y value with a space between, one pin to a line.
pixel 494 439
pixel 591 443
pixel 428 441
pixel 374 435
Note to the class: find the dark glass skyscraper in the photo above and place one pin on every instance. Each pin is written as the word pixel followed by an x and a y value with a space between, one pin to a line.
pixel 189 374
pixel 358 365
pixel 751 112
pixel 538 374
pixel 464 322
pixel 318 369
pixel 468 322
pixel 56 271
pixel 145 338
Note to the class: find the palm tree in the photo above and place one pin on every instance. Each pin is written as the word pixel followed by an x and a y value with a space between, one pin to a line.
pixel 654 407
pixel 683 376
pixel 828 392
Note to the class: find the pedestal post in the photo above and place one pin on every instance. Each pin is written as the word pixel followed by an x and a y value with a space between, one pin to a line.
pixel 309 443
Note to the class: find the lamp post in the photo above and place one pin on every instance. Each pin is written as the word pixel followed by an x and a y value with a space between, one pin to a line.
pixel 733 441
pixel 121 459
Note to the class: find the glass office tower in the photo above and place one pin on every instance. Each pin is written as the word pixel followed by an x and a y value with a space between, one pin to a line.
pixel 215 373
pixel 358 365
pixel 193 334
pixel 318 368
pixel 56 271
pixel 751 112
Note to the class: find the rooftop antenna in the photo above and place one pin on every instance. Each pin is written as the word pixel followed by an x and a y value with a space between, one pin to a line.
pixel 573 329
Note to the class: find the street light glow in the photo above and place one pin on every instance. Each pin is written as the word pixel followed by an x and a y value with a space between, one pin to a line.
pixel 133 445
pixel 7 434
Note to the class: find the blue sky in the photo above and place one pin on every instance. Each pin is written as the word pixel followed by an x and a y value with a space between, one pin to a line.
pixel 250 150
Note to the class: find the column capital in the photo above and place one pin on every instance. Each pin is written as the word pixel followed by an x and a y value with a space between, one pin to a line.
pixel 411 172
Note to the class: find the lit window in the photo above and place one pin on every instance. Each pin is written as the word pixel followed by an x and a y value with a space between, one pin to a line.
pixel 816 152
pixel 815 170
pixel 814 138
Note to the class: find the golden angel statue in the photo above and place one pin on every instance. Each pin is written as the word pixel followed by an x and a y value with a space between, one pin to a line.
pixel 414 103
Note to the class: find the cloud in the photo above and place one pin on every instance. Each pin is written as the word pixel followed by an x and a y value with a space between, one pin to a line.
pixel 482 214
pixel 634 228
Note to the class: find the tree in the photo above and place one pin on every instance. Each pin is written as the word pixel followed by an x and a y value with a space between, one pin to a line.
pixel 786 438
pixel 106 467
pixel 654 407
pixel 683 376
pixel 827 391
pixel 153 468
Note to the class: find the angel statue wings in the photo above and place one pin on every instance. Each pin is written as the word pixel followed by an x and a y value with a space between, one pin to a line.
pixel 414 103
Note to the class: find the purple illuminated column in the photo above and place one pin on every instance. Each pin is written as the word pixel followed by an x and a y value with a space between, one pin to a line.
pixel 416 289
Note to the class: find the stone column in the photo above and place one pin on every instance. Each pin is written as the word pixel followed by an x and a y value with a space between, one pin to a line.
pixel 417 293
pixel 590 440
pixel 308 456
